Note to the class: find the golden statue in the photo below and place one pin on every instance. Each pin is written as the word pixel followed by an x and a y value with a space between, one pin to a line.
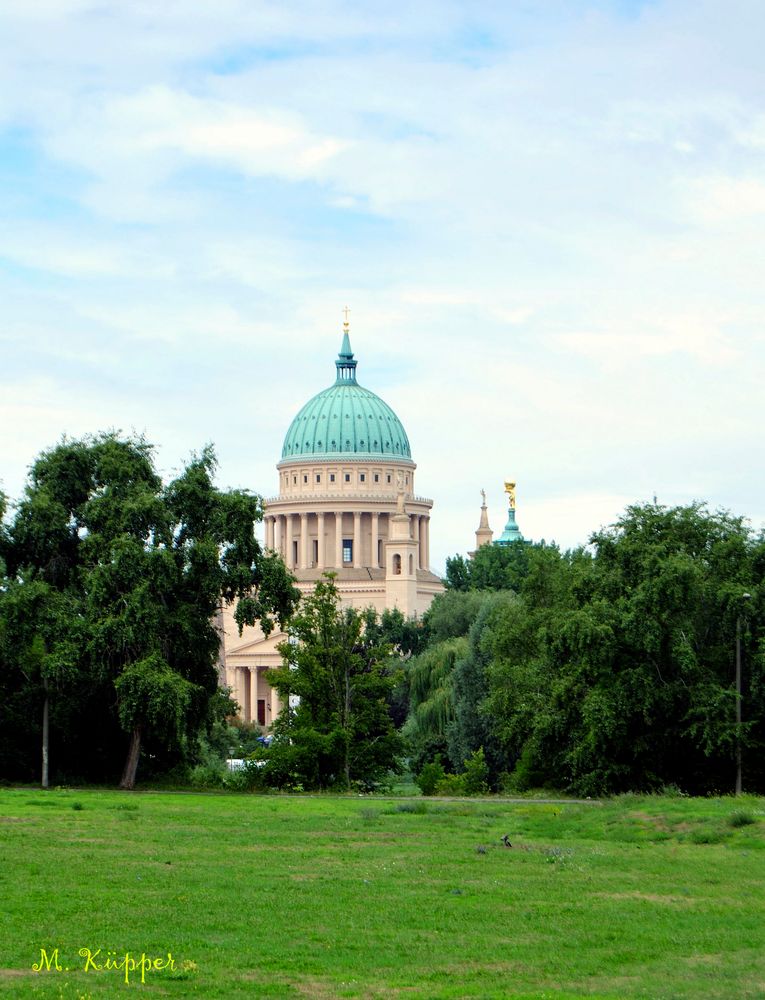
pixel 510 490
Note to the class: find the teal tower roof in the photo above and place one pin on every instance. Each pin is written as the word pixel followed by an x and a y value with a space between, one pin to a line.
pixel 346 420
pixel 512 532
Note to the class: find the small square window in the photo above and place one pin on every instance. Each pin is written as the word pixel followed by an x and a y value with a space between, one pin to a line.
pixel 305 479
pixel 318 478
pixel 377 478
pixel 347 477
pixel 332 477
pixel 363 478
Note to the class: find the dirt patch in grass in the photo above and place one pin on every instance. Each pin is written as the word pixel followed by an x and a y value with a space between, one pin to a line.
pixel 713 959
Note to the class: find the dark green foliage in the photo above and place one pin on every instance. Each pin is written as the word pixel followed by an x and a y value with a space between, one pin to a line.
pixel 429 777
pixel 451 614
pixel 741 817
pixel 116 582
pixel 341 733
pixel 476 774
pixel 493 567
pixel 612 669
pixel 431 699
pixel 617 674
pixel 472 728
pixel 457 573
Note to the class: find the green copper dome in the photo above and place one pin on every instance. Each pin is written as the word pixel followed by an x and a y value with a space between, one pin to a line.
pixel 346 419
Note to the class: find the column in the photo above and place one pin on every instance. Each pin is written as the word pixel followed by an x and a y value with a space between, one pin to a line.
pixel 423 544
pixel 288 543
pixel 357 539
pixel 375 537
pixel 247 708
pixel 278 534
pixel 338 539
pixel 320 524
pixel 427 543
pixel 269 532
pixel 304 541
pixel 255 684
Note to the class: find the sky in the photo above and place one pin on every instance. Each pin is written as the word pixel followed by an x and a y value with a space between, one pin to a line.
pixel 547 219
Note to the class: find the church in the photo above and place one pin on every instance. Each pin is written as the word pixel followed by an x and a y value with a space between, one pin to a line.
pixel 346 503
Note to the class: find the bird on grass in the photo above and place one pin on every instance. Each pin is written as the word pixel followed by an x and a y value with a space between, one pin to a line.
pixel 506 840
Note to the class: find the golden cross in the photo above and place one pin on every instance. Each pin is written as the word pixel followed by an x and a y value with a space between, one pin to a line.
pixel 345 313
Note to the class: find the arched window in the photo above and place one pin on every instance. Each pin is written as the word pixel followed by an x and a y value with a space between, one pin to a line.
pixel 397 564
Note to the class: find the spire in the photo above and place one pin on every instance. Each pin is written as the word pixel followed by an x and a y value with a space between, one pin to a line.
pixel 346 364
pixel 484 534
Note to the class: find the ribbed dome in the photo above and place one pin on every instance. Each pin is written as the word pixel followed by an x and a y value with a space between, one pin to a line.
pixel 346 419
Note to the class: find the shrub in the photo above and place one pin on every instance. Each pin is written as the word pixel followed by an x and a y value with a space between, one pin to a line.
pixel 451 784
pixel 412 807
pixel 707 835
pixel 741 817
pixel 210 775
pixel 476 775
pixel 247 779
pixel 525 774
pixel 430 776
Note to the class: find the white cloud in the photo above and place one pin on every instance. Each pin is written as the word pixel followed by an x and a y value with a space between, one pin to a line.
pixel 727 200
pixel 623 344
pixel 546 221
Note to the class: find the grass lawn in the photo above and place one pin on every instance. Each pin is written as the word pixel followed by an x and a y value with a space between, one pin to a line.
pixel 271 896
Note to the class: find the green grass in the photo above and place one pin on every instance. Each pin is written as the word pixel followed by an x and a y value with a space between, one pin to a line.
pixel 272 896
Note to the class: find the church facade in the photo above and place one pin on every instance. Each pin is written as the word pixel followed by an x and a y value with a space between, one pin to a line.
pixel 346 503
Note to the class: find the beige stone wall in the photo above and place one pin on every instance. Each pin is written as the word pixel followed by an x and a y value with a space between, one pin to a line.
pixel 339 516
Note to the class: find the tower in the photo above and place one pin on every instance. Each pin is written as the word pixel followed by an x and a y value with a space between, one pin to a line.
pixel 512 532
pixel 484 534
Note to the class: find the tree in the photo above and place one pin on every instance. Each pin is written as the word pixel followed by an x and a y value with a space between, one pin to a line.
pixel 616 673
pixel 472 728
pixel 495 567
pixel 340 732
pixel 432 700
pixel 452 613
pixel 457 573
pixel 143 568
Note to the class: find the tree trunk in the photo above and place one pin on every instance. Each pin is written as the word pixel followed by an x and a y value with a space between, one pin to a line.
pixel 346 728
pixel 131 764
pixel 45 731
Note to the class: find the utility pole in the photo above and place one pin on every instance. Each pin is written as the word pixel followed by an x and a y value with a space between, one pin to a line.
pixel 738 699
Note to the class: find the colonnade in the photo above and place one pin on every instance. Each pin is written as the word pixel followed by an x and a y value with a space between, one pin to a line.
pixel 284 530
pixel 258 702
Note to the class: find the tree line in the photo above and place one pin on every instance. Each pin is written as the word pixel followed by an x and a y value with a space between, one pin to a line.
pixel 604 669
pixel 607 668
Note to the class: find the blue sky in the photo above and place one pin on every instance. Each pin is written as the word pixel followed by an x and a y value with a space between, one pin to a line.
pixel 547 219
